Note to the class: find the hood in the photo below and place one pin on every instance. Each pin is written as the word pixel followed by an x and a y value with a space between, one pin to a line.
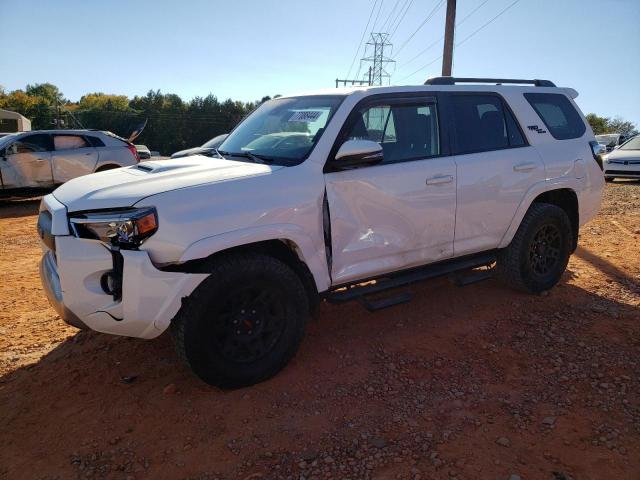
pixel 122 187
pixel 192 151
pixel 624 155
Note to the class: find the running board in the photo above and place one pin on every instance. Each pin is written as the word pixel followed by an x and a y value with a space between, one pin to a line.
pixel 375 304
pixel 407 277
pixel 460 279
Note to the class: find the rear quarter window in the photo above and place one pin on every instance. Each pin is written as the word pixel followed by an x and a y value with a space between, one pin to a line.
pixel 558 114
pixel 95 141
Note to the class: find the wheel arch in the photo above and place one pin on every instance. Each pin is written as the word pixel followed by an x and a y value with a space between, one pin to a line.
pixel 562 195
pixel 107 166
pixel 567 200
pixel 298 252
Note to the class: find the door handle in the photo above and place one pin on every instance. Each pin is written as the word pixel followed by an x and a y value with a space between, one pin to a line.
pixel 440 179
pixel 525 167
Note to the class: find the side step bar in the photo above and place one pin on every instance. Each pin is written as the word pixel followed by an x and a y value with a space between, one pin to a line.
pixel 407 277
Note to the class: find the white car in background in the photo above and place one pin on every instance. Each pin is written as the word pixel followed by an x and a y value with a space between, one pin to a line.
pixel 624 161
pixel 47 158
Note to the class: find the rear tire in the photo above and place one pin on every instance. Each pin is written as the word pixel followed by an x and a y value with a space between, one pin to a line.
pixel 539 252
pixel 244 322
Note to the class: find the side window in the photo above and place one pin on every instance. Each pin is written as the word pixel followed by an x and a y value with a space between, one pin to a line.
pixel 515 135
pixel 69 142
pixel 558 114
pixel 32 143
pixel 483 123
pixel 405 131
pixel 95 141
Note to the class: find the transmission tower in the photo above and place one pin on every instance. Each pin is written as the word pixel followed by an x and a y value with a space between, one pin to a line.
pixel 379 42
pixel 376 62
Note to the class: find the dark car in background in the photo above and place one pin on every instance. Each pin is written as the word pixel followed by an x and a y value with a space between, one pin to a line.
pixel 207 148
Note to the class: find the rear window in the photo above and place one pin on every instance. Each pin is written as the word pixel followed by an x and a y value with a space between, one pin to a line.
pixel 558 114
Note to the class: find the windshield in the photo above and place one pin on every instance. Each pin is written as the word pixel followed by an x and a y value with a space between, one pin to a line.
pixel 607 139
pixel 4 140
pixel 283 129
pixel 631 144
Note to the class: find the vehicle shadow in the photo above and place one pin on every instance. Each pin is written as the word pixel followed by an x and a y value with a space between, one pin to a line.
pixel 19 207
pixel 94 391
pixel 605 266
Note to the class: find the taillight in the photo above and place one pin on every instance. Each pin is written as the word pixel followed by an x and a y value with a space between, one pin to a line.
pixel 134 151
pixel 597 150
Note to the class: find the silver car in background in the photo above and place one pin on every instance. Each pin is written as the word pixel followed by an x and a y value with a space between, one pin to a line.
pixel 624 161
pixel 47 158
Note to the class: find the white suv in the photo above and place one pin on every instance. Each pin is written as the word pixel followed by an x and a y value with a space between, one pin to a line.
pixel 311 196
pixel 47 158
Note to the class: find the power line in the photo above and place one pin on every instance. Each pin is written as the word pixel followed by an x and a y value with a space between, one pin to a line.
pixel 429 17
pixel 373 28
pixel 464 40
pixel 486 24
pixel 431 45
pixel 362 38
pixel 375 22
pixel 393 10
pixel 410 2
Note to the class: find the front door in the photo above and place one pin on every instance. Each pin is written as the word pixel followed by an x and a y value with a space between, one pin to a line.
pixel 398 213
pixel 73 156
pixel 27 163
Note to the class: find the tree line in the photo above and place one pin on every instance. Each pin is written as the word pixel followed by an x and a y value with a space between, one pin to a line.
pixel 172 123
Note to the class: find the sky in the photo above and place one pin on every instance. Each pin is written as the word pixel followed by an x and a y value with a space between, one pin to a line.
pixel 246 49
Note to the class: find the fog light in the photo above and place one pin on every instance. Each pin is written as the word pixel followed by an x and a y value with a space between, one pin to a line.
pixel 108 283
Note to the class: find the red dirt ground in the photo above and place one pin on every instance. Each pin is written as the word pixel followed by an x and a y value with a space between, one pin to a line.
pixel 473 383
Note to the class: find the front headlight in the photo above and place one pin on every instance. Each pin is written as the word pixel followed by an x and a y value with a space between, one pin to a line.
pixel 125 228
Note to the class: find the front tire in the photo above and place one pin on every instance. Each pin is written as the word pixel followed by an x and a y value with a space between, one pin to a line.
pixel 244 322
pixel 539 253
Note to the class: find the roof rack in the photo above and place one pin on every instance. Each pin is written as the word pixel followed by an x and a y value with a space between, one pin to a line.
pixel 497 81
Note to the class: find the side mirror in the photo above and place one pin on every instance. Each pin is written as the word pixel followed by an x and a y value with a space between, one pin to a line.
pixel 358 153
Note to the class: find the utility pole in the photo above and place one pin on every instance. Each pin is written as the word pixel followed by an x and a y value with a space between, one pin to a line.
pixel 344 82
pixel 449 30
pixel 57 113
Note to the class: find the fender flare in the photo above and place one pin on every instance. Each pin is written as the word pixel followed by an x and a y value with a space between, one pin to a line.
pixel 310 251
pixel 534 191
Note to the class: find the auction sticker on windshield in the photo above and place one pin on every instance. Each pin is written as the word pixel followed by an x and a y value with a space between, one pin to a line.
pixel 305 116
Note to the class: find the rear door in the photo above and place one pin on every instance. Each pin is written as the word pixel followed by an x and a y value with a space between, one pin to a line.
pixel 27 162
pixel 73 156
pixel 401 212
pixel 495 166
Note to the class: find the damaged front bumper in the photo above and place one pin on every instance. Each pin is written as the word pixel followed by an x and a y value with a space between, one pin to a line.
pixel 72 274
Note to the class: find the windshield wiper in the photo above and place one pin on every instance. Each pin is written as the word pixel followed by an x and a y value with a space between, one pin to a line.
pixel 251 156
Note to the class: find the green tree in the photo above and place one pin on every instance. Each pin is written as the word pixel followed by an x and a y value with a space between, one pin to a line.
pixel 601 125
pixel 48 92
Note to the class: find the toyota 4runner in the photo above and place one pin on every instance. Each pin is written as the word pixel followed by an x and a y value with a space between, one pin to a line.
pixel 338 194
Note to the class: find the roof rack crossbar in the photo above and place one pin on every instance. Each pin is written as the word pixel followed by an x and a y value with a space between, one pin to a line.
pixel 454 80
